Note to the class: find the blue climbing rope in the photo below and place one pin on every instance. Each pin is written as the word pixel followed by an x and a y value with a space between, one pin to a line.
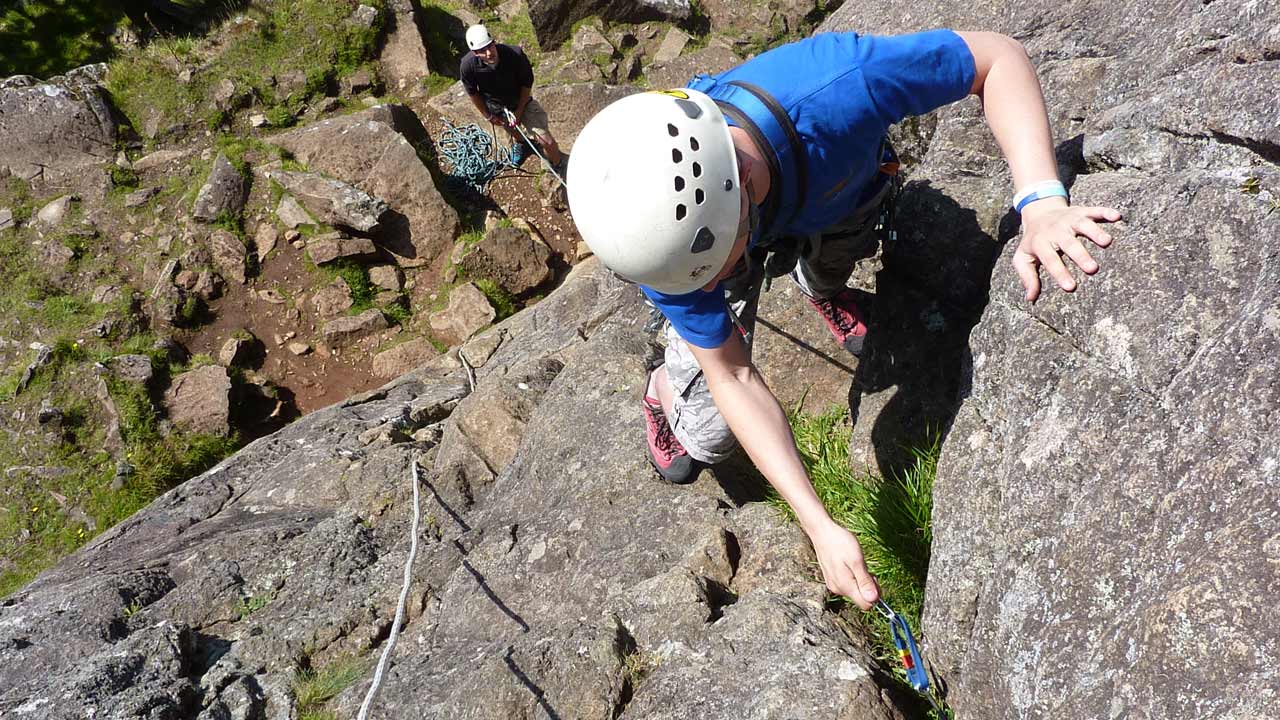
pixel 470 157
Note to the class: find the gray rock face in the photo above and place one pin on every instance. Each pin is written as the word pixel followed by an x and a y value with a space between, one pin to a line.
pixel 223 192
pixel 374 151
pixel 1104 518
pixel 200 400
pixel 333 201
pixel 553 579
pixel 511 257
pixel 56 132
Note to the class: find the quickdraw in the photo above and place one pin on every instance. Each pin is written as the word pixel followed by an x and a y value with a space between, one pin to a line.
pixel 909 652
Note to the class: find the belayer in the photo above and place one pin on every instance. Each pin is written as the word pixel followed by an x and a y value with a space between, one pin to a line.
pixel 684 192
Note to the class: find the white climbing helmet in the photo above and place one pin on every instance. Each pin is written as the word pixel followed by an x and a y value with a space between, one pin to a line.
pixel 655 189
pixel 478 37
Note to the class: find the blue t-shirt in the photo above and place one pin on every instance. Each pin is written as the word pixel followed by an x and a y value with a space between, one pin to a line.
pixel 842 91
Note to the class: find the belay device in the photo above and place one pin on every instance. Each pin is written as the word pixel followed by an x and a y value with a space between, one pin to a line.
pixel 909 652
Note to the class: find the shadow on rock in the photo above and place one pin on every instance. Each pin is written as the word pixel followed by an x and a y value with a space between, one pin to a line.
pixel 916 365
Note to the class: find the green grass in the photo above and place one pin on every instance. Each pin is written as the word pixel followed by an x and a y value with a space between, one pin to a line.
pixel 314 687
pixel 504 304
pixel 49 37
pixel 891 517
pixel 363 291
pixel 311 38
pixel 36 528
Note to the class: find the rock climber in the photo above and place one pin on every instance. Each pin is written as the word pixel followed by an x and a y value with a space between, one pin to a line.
pixel 684 192
pixel 498 77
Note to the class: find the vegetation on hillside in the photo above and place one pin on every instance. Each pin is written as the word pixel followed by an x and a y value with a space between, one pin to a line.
pixel 65 479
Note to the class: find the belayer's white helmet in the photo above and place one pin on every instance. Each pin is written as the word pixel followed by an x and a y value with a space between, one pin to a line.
pixel 655 189
pixel 478 37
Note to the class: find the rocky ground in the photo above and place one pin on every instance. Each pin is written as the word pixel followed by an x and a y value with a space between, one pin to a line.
pixel 205 205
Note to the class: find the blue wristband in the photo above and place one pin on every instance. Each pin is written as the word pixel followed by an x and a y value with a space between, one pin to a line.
pixel 1039 191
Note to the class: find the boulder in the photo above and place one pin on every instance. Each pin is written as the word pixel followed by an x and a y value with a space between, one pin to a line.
pixel 326 248
pixel 134 369
pixel 138 198
pixel 387 277
pixel 511 257
pixel 228 253
pixel 208 285
pixel 344 330
pixel 591 42
pixel 222 194
pixel 265 239
pixel 159 159
pixel 199 400
pixel 403 357
pixel 553 19
pixel 374 150
pixel 403 59
pixel 333 299
pixel 56 133
pixel 672 45
pixel 291 213
pixel 6 219
pixel 235 351
pixel 332 201
pixel 53 213
pixel 468 311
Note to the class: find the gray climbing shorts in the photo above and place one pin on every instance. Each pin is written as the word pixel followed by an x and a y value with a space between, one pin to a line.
pixel 822 269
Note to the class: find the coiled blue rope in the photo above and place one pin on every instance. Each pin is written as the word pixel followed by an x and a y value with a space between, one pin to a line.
pixel 470 156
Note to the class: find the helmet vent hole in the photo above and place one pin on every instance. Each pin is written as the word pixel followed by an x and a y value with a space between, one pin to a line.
pixel 693 144
pixel 697 170
pixel 677 157
pixel 671 130
pixel 680 184
pixel 680 211
pixel 699 196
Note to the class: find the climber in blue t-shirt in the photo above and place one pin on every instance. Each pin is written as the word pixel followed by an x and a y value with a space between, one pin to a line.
pixel 696 194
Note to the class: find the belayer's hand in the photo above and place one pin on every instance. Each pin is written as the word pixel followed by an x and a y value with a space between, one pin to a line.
pixel 843 568
pixel 1050 227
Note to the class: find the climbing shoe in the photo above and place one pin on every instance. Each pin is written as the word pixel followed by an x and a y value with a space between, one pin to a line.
pixel 665 452
pixel 843 319
pixel 519 152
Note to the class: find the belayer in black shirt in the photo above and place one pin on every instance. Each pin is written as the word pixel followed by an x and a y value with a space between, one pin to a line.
pixel 499 76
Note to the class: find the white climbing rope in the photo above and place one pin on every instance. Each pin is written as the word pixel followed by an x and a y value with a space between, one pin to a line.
pixel 404 597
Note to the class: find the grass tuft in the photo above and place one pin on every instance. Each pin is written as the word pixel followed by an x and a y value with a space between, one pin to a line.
pixel 891 517
pixel 315 687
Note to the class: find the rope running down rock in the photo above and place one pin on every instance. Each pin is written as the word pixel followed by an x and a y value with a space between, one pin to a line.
pixel 404 596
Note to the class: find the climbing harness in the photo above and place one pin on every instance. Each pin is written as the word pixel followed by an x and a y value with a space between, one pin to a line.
pixel 910 654
pixel 511 119
pixel 404 596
